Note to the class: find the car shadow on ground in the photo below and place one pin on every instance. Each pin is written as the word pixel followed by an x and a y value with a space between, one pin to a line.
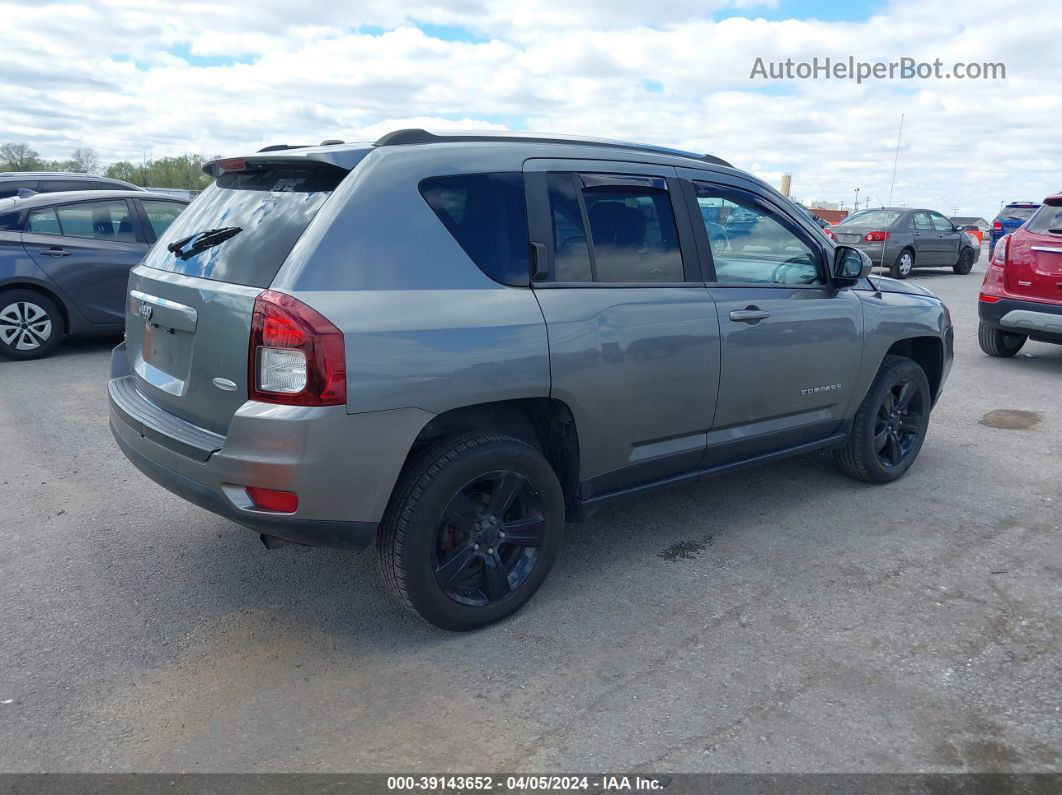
pixel 336 600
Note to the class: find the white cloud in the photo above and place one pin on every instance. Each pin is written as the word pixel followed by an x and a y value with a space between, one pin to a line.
pixel 145 77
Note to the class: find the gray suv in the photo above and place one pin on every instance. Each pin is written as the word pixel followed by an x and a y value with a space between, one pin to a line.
pixel 450 345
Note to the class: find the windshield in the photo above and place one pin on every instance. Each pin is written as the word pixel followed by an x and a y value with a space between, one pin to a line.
pixel 873 218
pixel 268 206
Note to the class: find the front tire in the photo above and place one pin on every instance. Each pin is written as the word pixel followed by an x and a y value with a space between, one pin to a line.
pixel 472 531
pixel 965 263
pixel 995 342
pixel 31 325
pixel 891 424
pixel 903 265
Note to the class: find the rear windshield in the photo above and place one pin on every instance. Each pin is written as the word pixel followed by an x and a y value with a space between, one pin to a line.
pixel 1047 221
pixel 1016 213
pixel 873 218
pixel 270 204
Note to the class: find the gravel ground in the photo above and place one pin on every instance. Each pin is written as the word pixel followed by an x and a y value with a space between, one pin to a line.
pixel 780 619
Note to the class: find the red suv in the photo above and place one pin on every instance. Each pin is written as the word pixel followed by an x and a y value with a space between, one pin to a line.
pixel 1021 295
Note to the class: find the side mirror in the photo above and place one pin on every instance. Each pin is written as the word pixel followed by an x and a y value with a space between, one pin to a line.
pixel 849 266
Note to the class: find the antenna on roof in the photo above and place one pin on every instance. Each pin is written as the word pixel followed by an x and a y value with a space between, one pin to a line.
pixel 895 160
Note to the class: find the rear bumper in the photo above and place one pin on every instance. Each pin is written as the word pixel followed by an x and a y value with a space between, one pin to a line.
pixel 1040 321
pixel 342 466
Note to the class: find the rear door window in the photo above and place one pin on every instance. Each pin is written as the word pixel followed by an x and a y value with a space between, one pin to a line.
pixel 921 222
pixel 43 222
pixel 103 220
pixel 161 214
pixel 487 216
pixel 270 202
pixel 633 237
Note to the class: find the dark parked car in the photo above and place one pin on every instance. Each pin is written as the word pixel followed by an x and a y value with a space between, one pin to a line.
pixel 1010 219
pixel 65 260
pixel 15 183
pixel 1020 296
pixel 902 239
pixel 448 345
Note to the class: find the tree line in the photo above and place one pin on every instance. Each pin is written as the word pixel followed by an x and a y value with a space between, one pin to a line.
pixel 182 171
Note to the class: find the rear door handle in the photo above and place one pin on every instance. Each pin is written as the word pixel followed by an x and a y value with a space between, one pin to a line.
pixel 56 251
pixel 750 314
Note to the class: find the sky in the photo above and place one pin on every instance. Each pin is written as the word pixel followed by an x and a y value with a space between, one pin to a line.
pixel 138 79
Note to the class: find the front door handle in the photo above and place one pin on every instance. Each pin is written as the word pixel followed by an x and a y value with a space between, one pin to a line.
pixel 56 251
pixel 751 314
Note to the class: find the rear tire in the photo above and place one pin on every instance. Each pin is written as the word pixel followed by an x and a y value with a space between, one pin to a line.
pixel 447 546
pixel 31 325
pixel 903 265
pixel 965 263
pixel 995 342
pixel 890 425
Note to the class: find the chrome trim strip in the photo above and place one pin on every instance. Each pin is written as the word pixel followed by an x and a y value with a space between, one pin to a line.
pixel 186 311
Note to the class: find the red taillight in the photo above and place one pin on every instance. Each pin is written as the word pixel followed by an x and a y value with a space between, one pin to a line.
pixel 296 356
pixel 997 224
pixel 231 164
pixel 273 500
pixel 877 236
pixel 829 233
pixel 1000 252
pixel 988 299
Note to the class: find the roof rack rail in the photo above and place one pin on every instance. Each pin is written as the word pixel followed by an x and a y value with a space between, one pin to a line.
pixel 416 135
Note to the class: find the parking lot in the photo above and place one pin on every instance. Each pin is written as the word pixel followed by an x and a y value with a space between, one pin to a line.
pixel 780 619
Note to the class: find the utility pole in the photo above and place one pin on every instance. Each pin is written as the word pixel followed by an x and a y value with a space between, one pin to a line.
pixel 856 200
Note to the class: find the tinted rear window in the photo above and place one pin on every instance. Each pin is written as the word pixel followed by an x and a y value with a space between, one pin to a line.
pixel 271 204
pixel 487 215
pixel 1016 213
pixel 872 218
pixel 1047 221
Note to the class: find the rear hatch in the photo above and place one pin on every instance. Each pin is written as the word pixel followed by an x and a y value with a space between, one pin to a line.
pixel 855 227
pixel 190 302
pixel 1034 256
pixel 1012 216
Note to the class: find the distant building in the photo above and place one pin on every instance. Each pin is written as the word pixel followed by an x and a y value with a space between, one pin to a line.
pixel 833 215
pixel 970 220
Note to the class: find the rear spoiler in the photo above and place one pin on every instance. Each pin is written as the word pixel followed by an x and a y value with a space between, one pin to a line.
pixel 340 157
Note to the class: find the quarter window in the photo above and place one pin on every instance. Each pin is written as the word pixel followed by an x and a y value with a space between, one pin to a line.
pixel 487 216
pixel 105 220
pixel 160 214
pixel 750 244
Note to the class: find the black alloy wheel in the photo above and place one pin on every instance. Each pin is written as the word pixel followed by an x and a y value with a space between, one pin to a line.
pixel 488 540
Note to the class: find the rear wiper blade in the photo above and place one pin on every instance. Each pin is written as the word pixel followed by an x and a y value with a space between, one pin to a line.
pixel 203 241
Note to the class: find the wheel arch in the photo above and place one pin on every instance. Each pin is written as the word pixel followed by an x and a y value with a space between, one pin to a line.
pixel 545 423
pixel 928 353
